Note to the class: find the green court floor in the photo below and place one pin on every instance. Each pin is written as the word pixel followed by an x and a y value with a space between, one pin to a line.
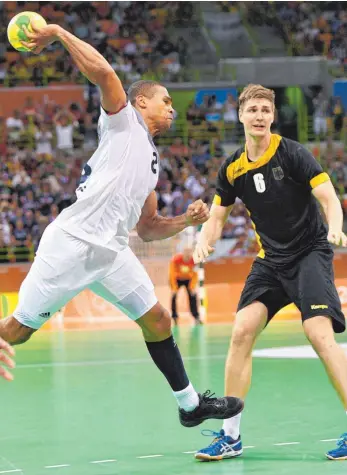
pixel 92 403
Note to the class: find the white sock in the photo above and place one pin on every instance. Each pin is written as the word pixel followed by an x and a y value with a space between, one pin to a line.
pixel 231 426
pixel 187 398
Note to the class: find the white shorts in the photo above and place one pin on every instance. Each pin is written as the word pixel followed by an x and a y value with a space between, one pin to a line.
pixel 65 265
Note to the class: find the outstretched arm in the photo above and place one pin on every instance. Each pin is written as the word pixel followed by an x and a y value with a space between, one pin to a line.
pixel 88 60
pixel 152 226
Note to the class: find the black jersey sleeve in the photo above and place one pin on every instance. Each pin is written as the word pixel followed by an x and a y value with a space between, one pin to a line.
pixel 305 169
pixel 225 192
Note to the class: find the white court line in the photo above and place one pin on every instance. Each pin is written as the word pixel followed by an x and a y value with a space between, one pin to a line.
pixel 57 466
pixel 288 443
pixel 12 471
pixel 190 452
pixel 103 461
pixel 149 456
pixel 136 361
pixel 106 362
pixel 328 440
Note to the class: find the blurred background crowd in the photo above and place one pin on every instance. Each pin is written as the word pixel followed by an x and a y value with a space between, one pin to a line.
pixel 44 144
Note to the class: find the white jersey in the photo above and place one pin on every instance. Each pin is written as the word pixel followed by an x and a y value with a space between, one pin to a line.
pixel 115 182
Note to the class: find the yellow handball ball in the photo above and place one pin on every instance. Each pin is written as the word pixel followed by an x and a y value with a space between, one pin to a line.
pixel 15 32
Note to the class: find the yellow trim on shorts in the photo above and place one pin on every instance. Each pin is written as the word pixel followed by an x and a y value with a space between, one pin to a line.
pixel 319 179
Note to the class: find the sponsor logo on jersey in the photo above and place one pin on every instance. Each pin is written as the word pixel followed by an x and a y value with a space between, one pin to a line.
pixel 316 307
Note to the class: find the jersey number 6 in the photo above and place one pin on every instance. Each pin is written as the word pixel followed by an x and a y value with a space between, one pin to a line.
pixel 259 182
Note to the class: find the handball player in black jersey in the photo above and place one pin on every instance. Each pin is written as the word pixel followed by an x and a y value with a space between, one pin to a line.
pixel 283 188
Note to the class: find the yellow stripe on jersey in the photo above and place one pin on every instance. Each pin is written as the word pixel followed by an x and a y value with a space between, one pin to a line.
pixel 217 200
pixel 261 252
pixel 242 165
pixel 319 179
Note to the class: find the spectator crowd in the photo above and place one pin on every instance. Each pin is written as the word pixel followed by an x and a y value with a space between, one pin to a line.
pixel 43 146
pixel 132 36
pixel 310 28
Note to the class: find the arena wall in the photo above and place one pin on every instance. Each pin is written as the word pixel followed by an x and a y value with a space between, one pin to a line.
pixel 224 282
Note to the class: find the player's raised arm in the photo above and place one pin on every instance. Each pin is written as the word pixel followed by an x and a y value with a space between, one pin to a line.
pixel 211 232
pixel 88 60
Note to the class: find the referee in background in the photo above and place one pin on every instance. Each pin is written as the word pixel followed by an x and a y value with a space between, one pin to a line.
pixel 182 274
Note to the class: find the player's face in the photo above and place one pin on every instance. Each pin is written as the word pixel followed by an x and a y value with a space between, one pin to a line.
pixel 257 116
pixel 160 109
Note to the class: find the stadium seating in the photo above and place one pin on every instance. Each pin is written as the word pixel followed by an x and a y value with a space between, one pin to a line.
pixel 39 170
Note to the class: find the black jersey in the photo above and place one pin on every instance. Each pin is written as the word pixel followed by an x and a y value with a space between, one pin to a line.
pixel 276 190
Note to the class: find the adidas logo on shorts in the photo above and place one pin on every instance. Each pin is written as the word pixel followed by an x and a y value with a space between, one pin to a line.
pixel 45 314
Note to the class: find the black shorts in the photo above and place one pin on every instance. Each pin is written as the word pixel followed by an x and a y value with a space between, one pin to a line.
pixel 309 283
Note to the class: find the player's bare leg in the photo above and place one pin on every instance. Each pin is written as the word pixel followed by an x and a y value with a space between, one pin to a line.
pixel 249 322
pixel 194 407
pixel 14 332
pixel 319 332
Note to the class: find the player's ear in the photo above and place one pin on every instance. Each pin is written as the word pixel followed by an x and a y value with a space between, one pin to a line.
pixel 141 101
pixel 273 114
pixel 240 115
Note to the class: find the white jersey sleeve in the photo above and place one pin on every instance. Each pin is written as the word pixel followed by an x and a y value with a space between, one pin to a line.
pixel 120 120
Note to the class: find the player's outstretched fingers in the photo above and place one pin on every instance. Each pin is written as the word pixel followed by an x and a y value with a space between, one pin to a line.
pixel 5 374
pixel 7 360
pixel 205 251
pixel 5 357
pixel 197 257
pixel 7 347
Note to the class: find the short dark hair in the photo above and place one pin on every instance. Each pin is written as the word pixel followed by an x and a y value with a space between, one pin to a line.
pixel 145 88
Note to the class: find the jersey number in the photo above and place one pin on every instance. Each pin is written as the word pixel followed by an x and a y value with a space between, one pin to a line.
pixel 85 175
pixel 154 163
pixel 259 182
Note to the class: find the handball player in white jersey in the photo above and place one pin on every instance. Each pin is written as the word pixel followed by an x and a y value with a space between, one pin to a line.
pixel 87 245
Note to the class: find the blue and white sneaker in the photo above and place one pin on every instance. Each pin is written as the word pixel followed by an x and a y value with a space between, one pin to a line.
pixel 340 453
pixel 222 447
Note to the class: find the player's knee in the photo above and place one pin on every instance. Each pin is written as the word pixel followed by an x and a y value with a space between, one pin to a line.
pixel 243 336
pixel 14 332
pixel 319 333
pixel 156 324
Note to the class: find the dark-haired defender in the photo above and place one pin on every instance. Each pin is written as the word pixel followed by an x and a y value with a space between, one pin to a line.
pixel 279 182
pixel 87 245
